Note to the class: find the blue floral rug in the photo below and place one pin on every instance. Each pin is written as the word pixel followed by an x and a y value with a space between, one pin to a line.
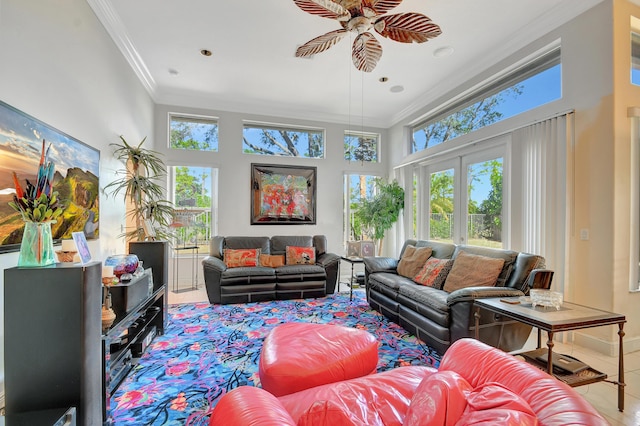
pixel 208 350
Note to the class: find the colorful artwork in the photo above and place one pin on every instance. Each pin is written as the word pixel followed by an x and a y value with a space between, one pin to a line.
pixel 283 194
pixel 75 178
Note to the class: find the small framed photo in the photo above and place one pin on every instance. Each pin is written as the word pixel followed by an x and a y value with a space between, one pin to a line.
pixel 83 248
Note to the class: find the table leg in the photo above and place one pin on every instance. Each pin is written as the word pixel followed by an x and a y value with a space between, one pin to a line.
pixel 550 352
pixel 476 315
pixel 351 283
pixel 621 383
pixel 539 339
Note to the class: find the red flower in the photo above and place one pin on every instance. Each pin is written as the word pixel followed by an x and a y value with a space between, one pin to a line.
pixel 178 369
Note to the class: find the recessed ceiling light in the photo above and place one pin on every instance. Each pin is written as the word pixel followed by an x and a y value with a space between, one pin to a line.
pixel 383 79
pixel 205 52
pixel 396 89
pixel 441 52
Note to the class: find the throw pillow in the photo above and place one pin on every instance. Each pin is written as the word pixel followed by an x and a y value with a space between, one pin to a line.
pixel 472 270
pixel 434 272
pixel 272 260
pixel 236 258
pixel 412 260
pixel 301 255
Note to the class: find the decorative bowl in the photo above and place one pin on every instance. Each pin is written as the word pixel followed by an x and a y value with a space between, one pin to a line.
pixel 122 264
pixel 546 298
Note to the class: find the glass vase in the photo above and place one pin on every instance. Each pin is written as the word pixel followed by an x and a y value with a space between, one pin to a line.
pixel 36 248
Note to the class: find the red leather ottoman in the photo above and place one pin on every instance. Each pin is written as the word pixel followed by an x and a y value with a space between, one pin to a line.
pixel 297 356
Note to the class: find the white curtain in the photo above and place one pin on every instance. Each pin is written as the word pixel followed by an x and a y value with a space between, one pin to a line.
pixel 542 150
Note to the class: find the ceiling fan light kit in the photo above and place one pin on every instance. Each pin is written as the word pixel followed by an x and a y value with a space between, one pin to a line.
pixel 361 16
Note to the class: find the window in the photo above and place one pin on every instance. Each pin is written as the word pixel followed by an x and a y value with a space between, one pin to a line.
pixel 193 198
pixel 534 84
pixel 465 199
pixel 197 133
pixel 356 187
pixel 266 139
pixel 635 58
pixel 361 147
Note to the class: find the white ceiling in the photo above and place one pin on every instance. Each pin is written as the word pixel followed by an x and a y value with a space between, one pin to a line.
pixel 253 68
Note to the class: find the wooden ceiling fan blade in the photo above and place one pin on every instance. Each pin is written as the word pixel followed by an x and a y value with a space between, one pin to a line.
pixel 321 43
pixel 366 52
pixel 407 27
pixel 382 6
pixel 324 8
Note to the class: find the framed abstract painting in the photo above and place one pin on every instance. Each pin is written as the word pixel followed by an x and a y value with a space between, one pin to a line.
pixel 283 195
pixel 77 167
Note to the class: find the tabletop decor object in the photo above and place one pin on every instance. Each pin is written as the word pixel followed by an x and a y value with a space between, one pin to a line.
pixel 546 298
pixel 122 264
pixel 39 206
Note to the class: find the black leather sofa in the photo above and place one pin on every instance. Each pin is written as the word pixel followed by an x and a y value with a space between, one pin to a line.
pixel 440 318
pixel 258 283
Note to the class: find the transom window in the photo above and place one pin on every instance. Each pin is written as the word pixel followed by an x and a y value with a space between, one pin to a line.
pixel 286 141
pixel 196 133
pixel 531 85
pixel 359 146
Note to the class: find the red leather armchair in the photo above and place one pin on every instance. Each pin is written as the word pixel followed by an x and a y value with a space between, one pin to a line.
pixel 474 384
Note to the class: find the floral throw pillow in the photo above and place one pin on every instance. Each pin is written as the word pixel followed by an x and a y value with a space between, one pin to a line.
pixel 236 258
pixel 434 272
pixel 301 255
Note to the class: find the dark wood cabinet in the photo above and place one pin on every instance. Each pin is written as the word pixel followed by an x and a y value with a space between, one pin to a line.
pixel 52 342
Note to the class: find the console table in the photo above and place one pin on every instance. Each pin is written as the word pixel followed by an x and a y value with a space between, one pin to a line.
pixel 569 317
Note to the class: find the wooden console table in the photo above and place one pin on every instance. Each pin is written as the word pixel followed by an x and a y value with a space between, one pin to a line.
pixel 569 317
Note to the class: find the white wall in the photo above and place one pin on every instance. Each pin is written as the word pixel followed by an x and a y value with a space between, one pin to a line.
pixel 60 66
pixel 234 202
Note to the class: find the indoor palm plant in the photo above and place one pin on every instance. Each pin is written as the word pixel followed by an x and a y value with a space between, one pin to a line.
pixel 378 214
pixel 141 182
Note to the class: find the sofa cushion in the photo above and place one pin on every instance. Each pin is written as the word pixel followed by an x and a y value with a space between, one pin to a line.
pixel 235 258
pixel 471 270
pixel 389 280
pixel 434 272
pixel 300 273
pixel 427 301
pixel 413 259
pixel 297 255
pixel 279 243
pixel 263 243
pixel 491 404
pixel 271 260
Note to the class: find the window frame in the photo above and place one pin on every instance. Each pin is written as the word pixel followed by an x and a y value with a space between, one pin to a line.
pixel 194 118
pixel 510 77
pixel 284 127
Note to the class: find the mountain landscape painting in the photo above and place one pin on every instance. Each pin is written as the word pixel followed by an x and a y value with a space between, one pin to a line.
pixel 76 176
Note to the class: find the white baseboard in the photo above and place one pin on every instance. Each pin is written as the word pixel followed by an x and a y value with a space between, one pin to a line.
pixel 605 347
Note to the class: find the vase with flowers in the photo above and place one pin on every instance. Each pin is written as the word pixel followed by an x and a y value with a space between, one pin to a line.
pixel 40 207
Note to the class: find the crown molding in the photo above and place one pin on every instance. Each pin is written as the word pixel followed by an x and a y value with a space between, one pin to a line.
pixel 116 29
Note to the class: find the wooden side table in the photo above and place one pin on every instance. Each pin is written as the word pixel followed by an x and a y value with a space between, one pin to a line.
pixel 569 317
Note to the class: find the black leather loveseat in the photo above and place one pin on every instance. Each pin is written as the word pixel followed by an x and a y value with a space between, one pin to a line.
pixel 260 282
pixel 439 317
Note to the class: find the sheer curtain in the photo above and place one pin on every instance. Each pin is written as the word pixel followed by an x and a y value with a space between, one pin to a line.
pixel 541 154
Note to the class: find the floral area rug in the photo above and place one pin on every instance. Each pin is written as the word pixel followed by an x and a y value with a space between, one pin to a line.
pixel 208 350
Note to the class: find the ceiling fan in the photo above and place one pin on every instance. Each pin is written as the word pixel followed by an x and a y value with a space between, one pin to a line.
pixel 361 16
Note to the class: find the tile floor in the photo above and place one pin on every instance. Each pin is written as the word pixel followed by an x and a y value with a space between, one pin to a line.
pixel 603 396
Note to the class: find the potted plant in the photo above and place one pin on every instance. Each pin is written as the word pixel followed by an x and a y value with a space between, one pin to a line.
pixel 378 214
pixel 141 183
